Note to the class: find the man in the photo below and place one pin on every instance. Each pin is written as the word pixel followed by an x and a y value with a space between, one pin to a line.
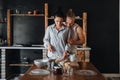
pixel 77 36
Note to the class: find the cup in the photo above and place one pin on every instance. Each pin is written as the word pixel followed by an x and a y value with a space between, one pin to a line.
pixel 73 57
pixel 50 65
pixel 57 70
pixel 70 71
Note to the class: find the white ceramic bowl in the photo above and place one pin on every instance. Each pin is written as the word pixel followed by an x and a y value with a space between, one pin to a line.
pixel 41 62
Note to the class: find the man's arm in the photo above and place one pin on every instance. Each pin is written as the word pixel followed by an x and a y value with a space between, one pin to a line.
pixel 81 37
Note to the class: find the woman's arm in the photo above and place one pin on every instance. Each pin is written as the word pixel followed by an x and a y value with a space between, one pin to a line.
pixel 46 40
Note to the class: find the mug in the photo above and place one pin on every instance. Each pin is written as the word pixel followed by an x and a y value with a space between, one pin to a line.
pixel 57 70
pixel 73 57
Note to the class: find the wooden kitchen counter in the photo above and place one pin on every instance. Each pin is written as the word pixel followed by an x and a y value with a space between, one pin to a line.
pixel 51 76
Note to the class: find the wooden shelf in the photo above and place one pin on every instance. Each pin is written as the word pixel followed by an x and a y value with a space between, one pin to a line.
pixel 9 14
pixel 77 18
pixel 27 15
pixel 2 22
pixel 50 18
pixel 12 75
pixel 20 64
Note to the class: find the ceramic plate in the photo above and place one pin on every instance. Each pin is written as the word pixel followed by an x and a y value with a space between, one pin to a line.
pixel 86 72
pixel 39 72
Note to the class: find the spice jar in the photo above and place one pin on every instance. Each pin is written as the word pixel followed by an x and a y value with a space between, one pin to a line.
pixel 34 12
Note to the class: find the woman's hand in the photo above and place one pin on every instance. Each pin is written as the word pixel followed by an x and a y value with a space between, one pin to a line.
pixel 65 54
pixel 51 48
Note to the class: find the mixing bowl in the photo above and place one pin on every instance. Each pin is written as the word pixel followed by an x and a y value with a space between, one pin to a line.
pixel 41 62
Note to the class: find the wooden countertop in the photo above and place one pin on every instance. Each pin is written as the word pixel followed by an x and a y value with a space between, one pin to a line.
pixel 51 76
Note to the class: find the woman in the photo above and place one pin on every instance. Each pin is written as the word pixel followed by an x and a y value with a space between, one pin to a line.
pixel 56 36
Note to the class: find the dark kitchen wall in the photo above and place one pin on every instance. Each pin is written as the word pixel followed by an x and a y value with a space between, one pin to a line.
pixel 119 36
pixel 27 29
pixel 2 20
pixel 103 26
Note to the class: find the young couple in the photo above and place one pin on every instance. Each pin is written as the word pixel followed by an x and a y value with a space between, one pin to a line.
pixel 61 38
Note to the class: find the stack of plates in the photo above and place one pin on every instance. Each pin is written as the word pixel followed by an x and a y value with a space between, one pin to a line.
pixel 39 72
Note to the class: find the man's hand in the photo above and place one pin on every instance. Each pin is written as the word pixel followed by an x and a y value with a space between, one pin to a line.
pixel 70 41
pixel 50 48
